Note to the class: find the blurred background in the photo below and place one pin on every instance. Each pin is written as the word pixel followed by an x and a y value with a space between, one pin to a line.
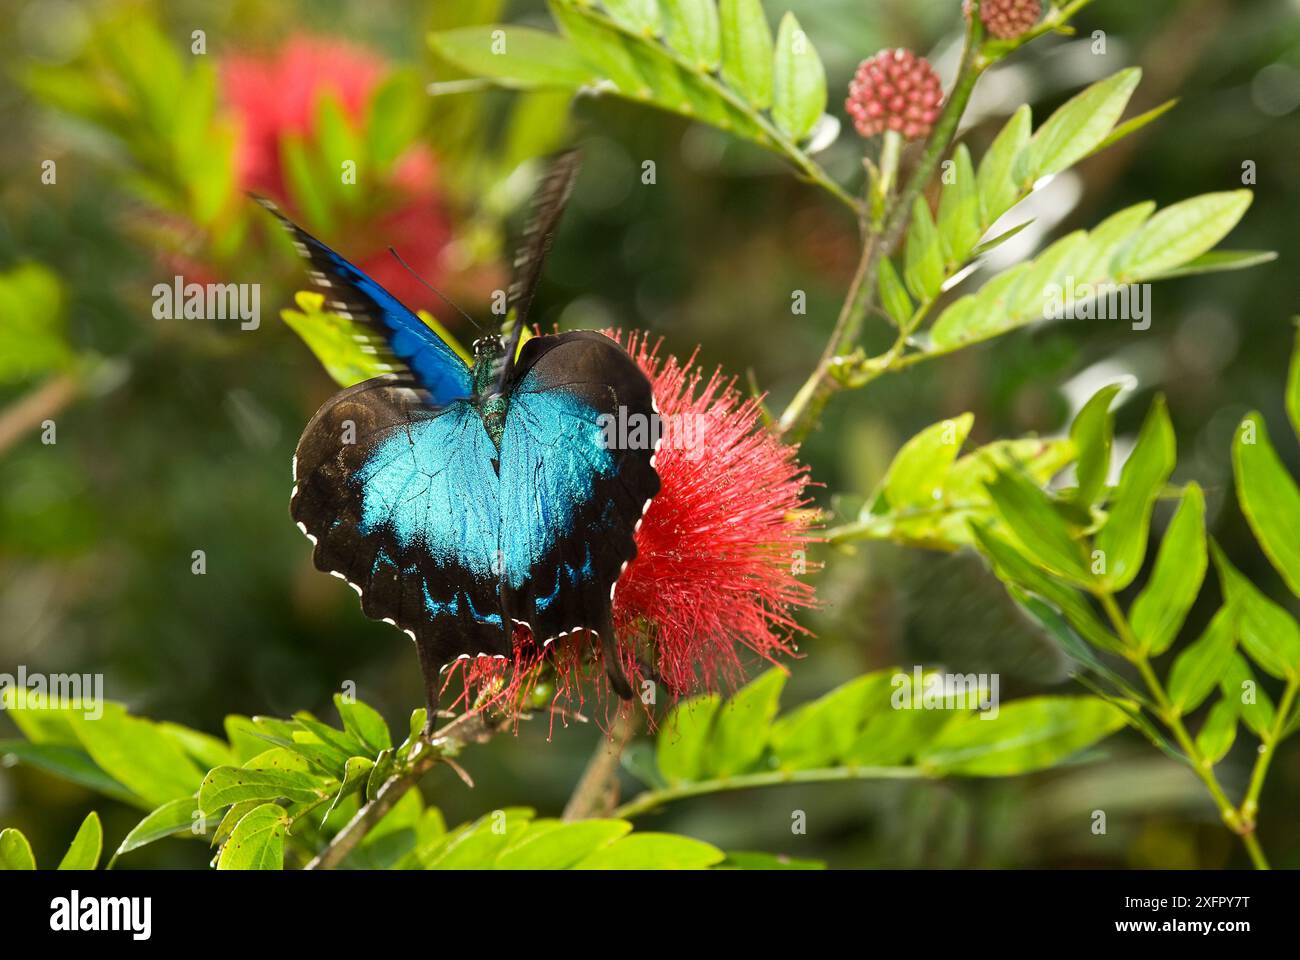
pixel 176 435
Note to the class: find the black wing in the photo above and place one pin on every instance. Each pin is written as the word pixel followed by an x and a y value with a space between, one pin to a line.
pixel 400 500
pixel 543 218
pixel 577 474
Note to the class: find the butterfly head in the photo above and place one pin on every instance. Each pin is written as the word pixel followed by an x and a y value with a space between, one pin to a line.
pixel 487 349
pixel 488 352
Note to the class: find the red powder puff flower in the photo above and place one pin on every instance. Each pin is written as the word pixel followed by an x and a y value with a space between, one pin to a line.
pixel 895 90
pixel 719 553
pixel 275 97
pixel 1007 19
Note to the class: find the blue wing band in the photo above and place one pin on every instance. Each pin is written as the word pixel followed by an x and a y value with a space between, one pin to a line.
pixel 390 324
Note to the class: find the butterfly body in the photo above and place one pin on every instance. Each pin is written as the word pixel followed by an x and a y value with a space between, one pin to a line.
pixel 460 501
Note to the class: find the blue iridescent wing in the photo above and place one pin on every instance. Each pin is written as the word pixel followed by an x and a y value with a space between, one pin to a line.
pixel 401 501
pixel 393 333
pixel 573 490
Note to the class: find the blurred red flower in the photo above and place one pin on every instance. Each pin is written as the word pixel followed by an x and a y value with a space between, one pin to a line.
pixel 276 96
pixel 719 553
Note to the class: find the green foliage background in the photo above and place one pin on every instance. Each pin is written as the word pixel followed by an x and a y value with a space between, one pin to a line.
pixel 185 440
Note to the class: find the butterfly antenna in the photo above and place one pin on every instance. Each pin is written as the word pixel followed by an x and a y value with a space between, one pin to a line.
pixel 442 296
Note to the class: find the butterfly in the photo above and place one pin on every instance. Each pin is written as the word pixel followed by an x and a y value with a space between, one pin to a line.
pixel 459 500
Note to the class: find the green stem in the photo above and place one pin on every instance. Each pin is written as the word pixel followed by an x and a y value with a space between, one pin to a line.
pixel 978 54
pixel 1200 764
pixel 651 799
pixel 1267 747
pixel 426 754
pixel 811 399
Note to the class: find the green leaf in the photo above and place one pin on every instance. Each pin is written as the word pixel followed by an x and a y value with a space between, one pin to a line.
pixel 691 28
pixel 227 785
pixel 15 851
pixel 994 242
pixel 1218 261
pixel 894 735
pixel 1078 127
pixel 823 732
pixel 641 16
pixel 41 720
pixel 394 116
pixel 923 262
pixel 1132 126
pixel 1109 237
pixel 340 743
pixel 918 471
pixel 997 186
pixel 1181 233
pixel 204 749
pixel 1123 540
pixel 33 337
pixel 477 845
pixel 1016 569
pixel 1239 685
pixel 336 341
pixel 1197 669
pixel 558 846
pixel 257 842
pixel 1218 732
pixel 652 851
pixel 1092 432
pixel 962 496
pixel 741 727
pixel 1038 525
pixel 337 142
pixel 244 736
pixel 1082 654
pixel 86 846
pixel 679 748
pixel 747 50
pixel 383 769
pixel 893 296
pixel 960 221
pixel 1266 630
pixel 364 723
pixel 1160 609
pixel 1034 291
pixel 309 184
pixel 69 763
pixel 231 819
pixel 799 81
pixel 1047 277
pixel 516 57
pixel 138 755
pixel 1269 498
pixel 1025 735
pixel 648 72
pixel 171 818
pixel 356 774
pixel 415 730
